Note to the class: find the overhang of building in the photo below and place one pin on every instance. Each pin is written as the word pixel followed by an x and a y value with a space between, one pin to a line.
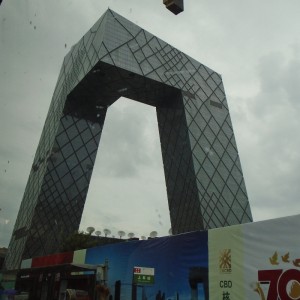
pixel 70 267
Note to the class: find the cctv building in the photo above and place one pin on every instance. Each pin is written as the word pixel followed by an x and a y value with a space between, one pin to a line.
pixel 114 59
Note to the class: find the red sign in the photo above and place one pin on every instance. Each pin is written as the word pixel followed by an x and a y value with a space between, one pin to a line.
pixel 51 260
pixel 278 281
pixel 136 270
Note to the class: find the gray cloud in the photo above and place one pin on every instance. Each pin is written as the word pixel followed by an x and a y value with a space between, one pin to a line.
pixel 254 45
pixel 126 144
pixel 269 138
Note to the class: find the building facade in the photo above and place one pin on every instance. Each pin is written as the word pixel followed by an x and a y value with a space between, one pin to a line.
pixel 116 58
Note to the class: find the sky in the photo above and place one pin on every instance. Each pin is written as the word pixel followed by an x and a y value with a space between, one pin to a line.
pixel 254 45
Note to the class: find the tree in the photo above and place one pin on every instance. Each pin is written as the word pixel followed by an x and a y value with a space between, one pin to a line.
pixel 98 233
pixel 121 233
pixel 131 235
pixel 90 230
pixel 78 240
pixel 106 232
pixel 153 234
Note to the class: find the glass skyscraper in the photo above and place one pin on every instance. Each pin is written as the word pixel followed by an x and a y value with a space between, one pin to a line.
pixel 116 58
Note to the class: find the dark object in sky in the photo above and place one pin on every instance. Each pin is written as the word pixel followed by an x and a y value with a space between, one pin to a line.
pixel 175 6
pixel 0 2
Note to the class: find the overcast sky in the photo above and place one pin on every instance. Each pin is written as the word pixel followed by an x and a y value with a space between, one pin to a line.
pixel 254 45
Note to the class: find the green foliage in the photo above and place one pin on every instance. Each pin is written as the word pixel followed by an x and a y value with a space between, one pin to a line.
pixel 78 240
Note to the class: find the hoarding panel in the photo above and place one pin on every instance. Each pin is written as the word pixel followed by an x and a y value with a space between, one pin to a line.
pixel 180 263
pixel 257 261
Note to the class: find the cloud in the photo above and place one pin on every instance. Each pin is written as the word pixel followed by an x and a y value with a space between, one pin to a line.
pixel 254 45
pixel 126 142
pixel 128 174
pixel 267 126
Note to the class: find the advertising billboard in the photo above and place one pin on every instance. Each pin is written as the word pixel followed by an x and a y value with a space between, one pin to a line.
pixel 179 264
pixel 257 261
pixel 254 261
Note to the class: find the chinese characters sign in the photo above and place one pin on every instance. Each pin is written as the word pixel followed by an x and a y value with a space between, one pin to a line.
pixel 143 275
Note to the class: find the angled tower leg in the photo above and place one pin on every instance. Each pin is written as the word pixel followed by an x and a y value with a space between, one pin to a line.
pixel 181 181
pixel 66 171
pixel 65 183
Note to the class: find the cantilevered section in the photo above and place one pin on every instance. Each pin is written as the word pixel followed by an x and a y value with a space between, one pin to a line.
pixel 117 58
